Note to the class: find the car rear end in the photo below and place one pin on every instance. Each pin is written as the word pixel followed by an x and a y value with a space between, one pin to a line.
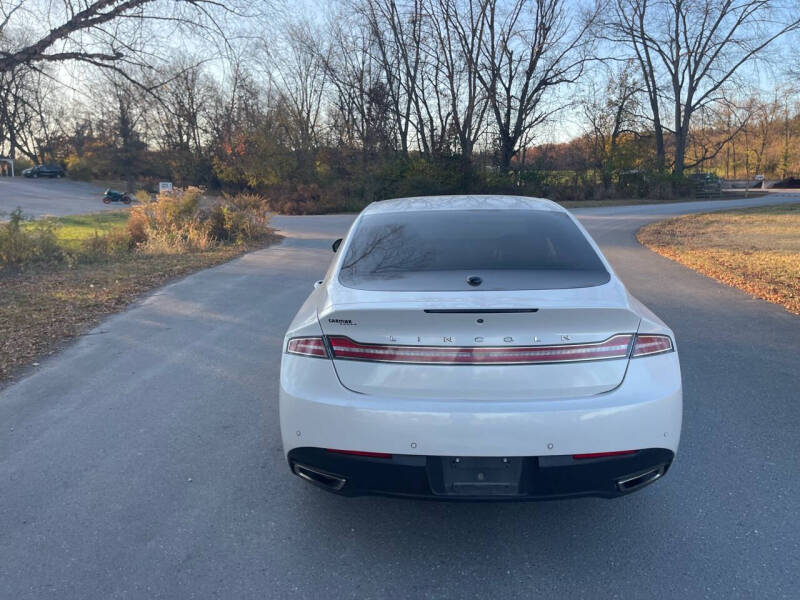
pixel 401 376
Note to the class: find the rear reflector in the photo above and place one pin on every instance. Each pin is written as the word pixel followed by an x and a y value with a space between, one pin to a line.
pixel 647 344
pixel 359 453
pixel 604 454
pixel 617 346
pixel 307 346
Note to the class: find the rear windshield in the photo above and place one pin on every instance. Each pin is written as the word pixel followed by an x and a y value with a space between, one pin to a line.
pixel 497 249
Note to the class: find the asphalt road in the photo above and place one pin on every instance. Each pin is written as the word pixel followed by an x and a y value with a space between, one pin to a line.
pixel 51 197
pixel 144 461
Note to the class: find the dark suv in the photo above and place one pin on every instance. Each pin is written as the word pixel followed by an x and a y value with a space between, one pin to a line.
pixel 44 171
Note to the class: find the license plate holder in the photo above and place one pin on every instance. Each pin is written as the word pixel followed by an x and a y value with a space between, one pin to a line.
pixel 481 476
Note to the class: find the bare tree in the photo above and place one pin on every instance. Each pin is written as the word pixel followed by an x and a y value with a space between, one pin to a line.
pixel 183 109
pixel 398 31
pixel 532 47
pixel 458 27
pixel 83 30
pixel 28 114
pixel 688 50
pixel 361 101
pixel 298 70
pixel 611 115
pixel 123 113
pixel 716 127
pixel 14 113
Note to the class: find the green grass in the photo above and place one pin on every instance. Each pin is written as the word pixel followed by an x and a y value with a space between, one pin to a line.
pixel 74 229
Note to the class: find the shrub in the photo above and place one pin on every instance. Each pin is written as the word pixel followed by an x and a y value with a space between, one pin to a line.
pixel 137 227
pixel 114 244
pixel 184 221
pixel 143 197
pixel 168 219
pixel 80 167
pixel 239 218
pixel 302 199
pixel 246 201
pixel 20 246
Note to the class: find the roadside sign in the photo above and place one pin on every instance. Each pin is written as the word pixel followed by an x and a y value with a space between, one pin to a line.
pixel 164 186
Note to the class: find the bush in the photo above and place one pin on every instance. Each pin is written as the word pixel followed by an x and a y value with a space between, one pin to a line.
pixel 181 221
pixel 143 197
pixel 21 246
pixel 97 248
pixel 239 218
pixel 80 167
pixel 298 200
pixel 138 223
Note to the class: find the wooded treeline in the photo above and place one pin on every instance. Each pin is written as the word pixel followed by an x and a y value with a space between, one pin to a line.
pixel 370 99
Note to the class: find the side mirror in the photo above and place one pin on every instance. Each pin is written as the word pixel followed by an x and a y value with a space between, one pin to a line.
pixel 336 245
pixel 318 283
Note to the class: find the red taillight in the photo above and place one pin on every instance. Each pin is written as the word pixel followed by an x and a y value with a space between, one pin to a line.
pixel 307 346
pixel 604 454
pixel 617 346
pixel 360 453
pixel 648 343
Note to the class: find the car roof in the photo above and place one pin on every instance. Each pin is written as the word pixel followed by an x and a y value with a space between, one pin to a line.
pixel 484 202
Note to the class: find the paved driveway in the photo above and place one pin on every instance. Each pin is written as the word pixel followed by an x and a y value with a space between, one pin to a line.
pixel 145 462
pixel 53 197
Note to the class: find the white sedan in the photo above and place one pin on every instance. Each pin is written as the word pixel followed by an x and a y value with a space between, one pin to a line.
pixel 477 347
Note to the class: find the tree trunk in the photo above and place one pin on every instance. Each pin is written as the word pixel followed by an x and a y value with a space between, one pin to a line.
pixel 605 177
pixel 680 154
pixel 506 154
pixel 466 167
pixel 661 155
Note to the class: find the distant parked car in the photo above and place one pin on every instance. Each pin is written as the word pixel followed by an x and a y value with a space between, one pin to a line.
pixel 44 171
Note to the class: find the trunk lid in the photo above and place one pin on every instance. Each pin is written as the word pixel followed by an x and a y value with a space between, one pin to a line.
pixel 404 338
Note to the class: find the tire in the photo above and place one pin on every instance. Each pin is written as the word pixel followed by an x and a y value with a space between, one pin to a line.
pixel 36 176
pixel 106 200
pixel 126 199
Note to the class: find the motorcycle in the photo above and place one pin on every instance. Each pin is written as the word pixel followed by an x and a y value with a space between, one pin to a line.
pixel 110 196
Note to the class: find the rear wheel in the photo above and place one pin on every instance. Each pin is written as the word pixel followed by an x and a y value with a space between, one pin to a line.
pixel 126 199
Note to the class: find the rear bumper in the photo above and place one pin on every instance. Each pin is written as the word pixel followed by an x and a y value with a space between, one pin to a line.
pixel 534 477
pixel 645 411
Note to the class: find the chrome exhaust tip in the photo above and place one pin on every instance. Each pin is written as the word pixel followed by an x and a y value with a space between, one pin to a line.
pixel 318 477
pixel 631 484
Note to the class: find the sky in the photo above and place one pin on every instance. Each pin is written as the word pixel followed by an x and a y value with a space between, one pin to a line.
pixel 265 22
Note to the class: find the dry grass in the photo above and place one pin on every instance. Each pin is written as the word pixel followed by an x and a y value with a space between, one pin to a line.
pixel 756 250
pixel 42 308
pixel 60 276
